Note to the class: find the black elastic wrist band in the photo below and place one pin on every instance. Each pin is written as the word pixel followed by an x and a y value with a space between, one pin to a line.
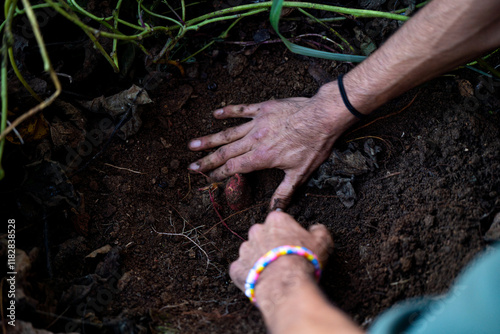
pixel 346 101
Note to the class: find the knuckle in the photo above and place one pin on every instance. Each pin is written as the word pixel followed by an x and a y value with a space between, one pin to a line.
pixel 244 249
pixel 230 166
pixel 221 153
pixel 254 230
pixel 228 135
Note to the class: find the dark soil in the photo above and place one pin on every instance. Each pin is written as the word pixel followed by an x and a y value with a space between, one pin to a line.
pixel 419 218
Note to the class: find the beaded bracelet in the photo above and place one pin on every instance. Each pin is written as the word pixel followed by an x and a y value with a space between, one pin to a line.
pixel 271 256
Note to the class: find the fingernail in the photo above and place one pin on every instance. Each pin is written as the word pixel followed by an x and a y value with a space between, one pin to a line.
pixel 279 210
pixel 218 112
pixel 194 166
pixel 195 144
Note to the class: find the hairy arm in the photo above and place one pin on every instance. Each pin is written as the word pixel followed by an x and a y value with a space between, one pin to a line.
pixel 286 291
pixel 296 135
pixel 442 36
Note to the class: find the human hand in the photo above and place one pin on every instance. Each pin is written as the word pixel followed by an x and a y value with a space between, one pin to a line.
pixel 280 229
pixel 295 135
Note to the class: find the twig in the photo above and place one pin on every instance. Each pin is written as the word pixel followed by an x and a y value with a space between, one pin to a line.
pixel 321 196
pixel 220 217
pixel 174 306
pixel 217 211
pixel 388 176
pixel 185 235
pixel 18 135
pixel 123 168
pixel 234 214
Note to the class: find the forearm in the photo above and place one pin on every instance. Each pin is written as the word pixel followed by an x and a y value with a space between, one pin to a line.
pixel 443 35
pixel 291 302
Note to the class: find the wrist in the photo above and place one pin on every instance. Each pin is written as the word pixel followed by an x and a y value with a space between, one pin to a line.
pixel 282 276
pixel 290 300
pixel 337 118
pixel 280 287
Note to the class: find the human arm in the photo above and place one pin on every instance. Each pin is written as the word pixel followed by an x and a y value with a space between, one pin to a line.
pixel 297 135
pixel 286 292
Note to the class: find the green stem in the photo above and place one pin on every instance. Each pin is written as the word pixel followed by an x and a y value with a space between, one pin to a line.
pixel 224 18
pixel 160 16
pixel 47 67
pixel 23 11
pixel 131 25
pixel 20 76
pixel 9 7
pixel 100 48
pixel 114 51
pixel 5 104
pixel 197 52
pixel 223 36
pixel 97 32
pixel 89 14
pixel 183 5
pixel 488 67
pixel 101 20
pixel 10 38
pixel 292 4
pixel 484 58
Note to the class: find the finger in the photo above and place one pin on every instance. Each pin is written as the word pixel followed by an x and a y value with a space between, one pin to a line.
pixel 244 163
pixel 238 273
pixel 221 138
pixel 323 239
pixel 240 110
pixel 283 194
pixel 222 156
pixel 245 250
pixel 254 231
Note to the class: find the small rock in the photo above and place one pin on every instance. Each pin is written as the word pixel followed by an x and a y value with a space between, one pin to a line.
pixel 429 220
pixel 165 143
pixel 164 170
pixel 465 88
pixel 124 280
pixel 261 35
pixel 236 63
pixel 102 250
pixel 406 263
pixel 192 71
pixel 172 181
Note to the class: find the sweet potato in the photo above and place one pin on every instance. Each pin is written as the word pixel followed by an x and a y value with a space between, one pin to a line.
pixel 238 192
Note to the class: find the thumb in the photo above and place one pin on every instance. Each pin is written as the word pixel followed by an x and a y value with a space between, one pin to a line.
pixel 283 194
pixel 323 240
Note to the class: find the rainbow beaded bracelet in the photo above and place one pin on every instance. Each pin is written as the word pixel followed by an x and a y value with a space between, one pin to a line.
pixel 271 256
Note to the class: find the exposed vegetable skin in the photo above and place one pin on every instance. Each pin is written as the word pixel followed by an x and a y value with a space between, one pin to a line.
pixel 237 192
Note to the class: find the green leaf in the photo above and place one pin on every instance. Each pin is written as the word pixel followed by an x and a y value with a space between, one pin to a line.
pixel 274 17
